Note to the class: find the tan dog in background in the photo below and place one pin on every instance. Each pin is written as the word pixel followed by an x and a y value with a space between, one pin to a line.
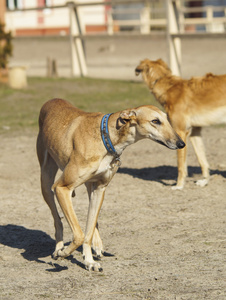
pixel 190 105
pixel 72 140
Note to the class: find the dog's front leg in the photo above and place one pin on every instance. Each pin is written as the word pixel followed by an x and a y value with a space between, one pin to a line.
pixel 97 244
pixel 181 163
pixel 182 168
pixel 96 193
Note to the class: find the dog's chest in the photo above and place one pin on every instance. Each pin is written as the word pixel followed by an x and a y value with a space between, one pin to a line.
pixel 107 167
pixel 210 117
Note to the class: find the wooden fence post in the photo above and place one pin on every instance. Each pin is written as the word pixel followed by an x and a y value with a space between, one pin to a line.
pixel 145 20
pixel 110 22
pixel 78 61
pixel 174 43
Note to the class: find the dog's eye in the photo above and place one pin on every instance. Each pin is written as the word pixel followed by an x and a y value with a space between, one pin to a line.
pixel 156 122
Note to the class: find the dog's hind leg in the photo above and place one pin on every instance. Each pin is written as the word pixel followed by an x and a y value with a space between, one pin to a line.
pixel 48 172
pixel 199 148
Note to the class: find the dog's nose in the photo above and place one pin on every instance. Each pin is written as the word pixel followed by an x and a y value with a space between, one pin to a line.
pixel 180 144
pixel 137 71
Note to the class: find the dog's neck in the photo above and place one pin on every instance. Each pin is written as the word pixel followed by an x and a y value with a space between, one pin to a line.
pixel 106 137
pixel 161 87
pixel 122 134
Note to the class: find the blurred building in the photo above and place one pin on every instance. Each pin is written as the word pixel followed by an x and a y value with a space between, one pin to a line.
pixel 23 19
pixel 52 20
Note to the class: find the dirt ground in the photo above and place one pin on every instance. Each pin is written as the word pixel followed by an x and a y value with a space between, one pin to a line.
pixel 159 243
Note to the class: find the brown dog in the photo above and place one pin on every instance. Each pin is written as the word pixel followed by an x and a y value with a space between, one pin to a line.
pixel 190 104
pixel 87 148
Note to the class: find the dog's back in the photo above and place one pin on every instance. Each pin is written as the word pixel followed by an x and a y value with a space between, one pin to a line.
pixel 59 121
pixel 65 112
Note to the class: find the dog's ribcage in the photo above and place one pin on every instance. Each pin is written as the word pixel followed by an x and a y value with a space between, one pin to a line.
pixel 209 117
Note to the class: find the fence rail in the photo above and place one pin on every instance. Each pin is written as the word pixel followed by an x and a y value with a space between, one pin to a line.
pixel 146 16
pixel 171 18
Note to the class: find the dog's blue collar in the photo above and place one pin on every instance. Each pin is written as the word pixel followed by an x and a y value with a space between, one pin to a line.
pixel 105 136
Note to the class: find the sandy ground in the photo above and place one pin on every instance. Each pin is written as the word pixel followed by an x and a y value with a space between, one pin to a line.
pixel 159 243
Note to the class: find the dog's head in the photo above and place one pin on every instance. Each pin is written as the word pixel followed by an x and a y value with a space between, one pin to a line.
pixel 152 70
pixel 150 122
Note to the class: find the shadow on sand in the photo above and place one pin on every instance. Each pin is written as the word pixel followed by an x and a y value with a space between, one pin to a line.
pixel 162 173
pixel 36 245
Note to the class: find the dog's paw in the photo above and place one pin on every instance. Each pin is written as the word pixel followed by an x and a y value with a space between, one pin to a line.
pixel 94 266
pixel 202 182
pixel 59 254
pixel 98 252
pixel 55 256
pixel 97 244
pixel 176 187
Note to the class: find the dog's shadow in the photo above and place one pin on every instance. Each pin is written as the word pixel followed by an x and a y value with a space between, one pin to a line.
pixel 36 245
pixel 157 174
pixel 164 173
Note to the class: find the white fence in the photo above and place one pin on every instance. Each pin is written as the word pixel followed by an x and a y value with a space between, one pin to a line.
pixel 147 23
pixel 175 28
pixel 170 16
pixel 144 22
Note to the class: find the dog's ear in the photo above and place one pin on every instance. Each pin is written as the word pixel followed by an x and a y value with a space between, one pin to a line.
pixel 163 65
pixel 161 62
pixel 128 115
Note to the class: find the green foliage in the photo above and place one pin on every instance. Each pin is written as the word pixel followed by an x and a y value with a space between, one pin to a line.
pixel 19 109
pixel 6 47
